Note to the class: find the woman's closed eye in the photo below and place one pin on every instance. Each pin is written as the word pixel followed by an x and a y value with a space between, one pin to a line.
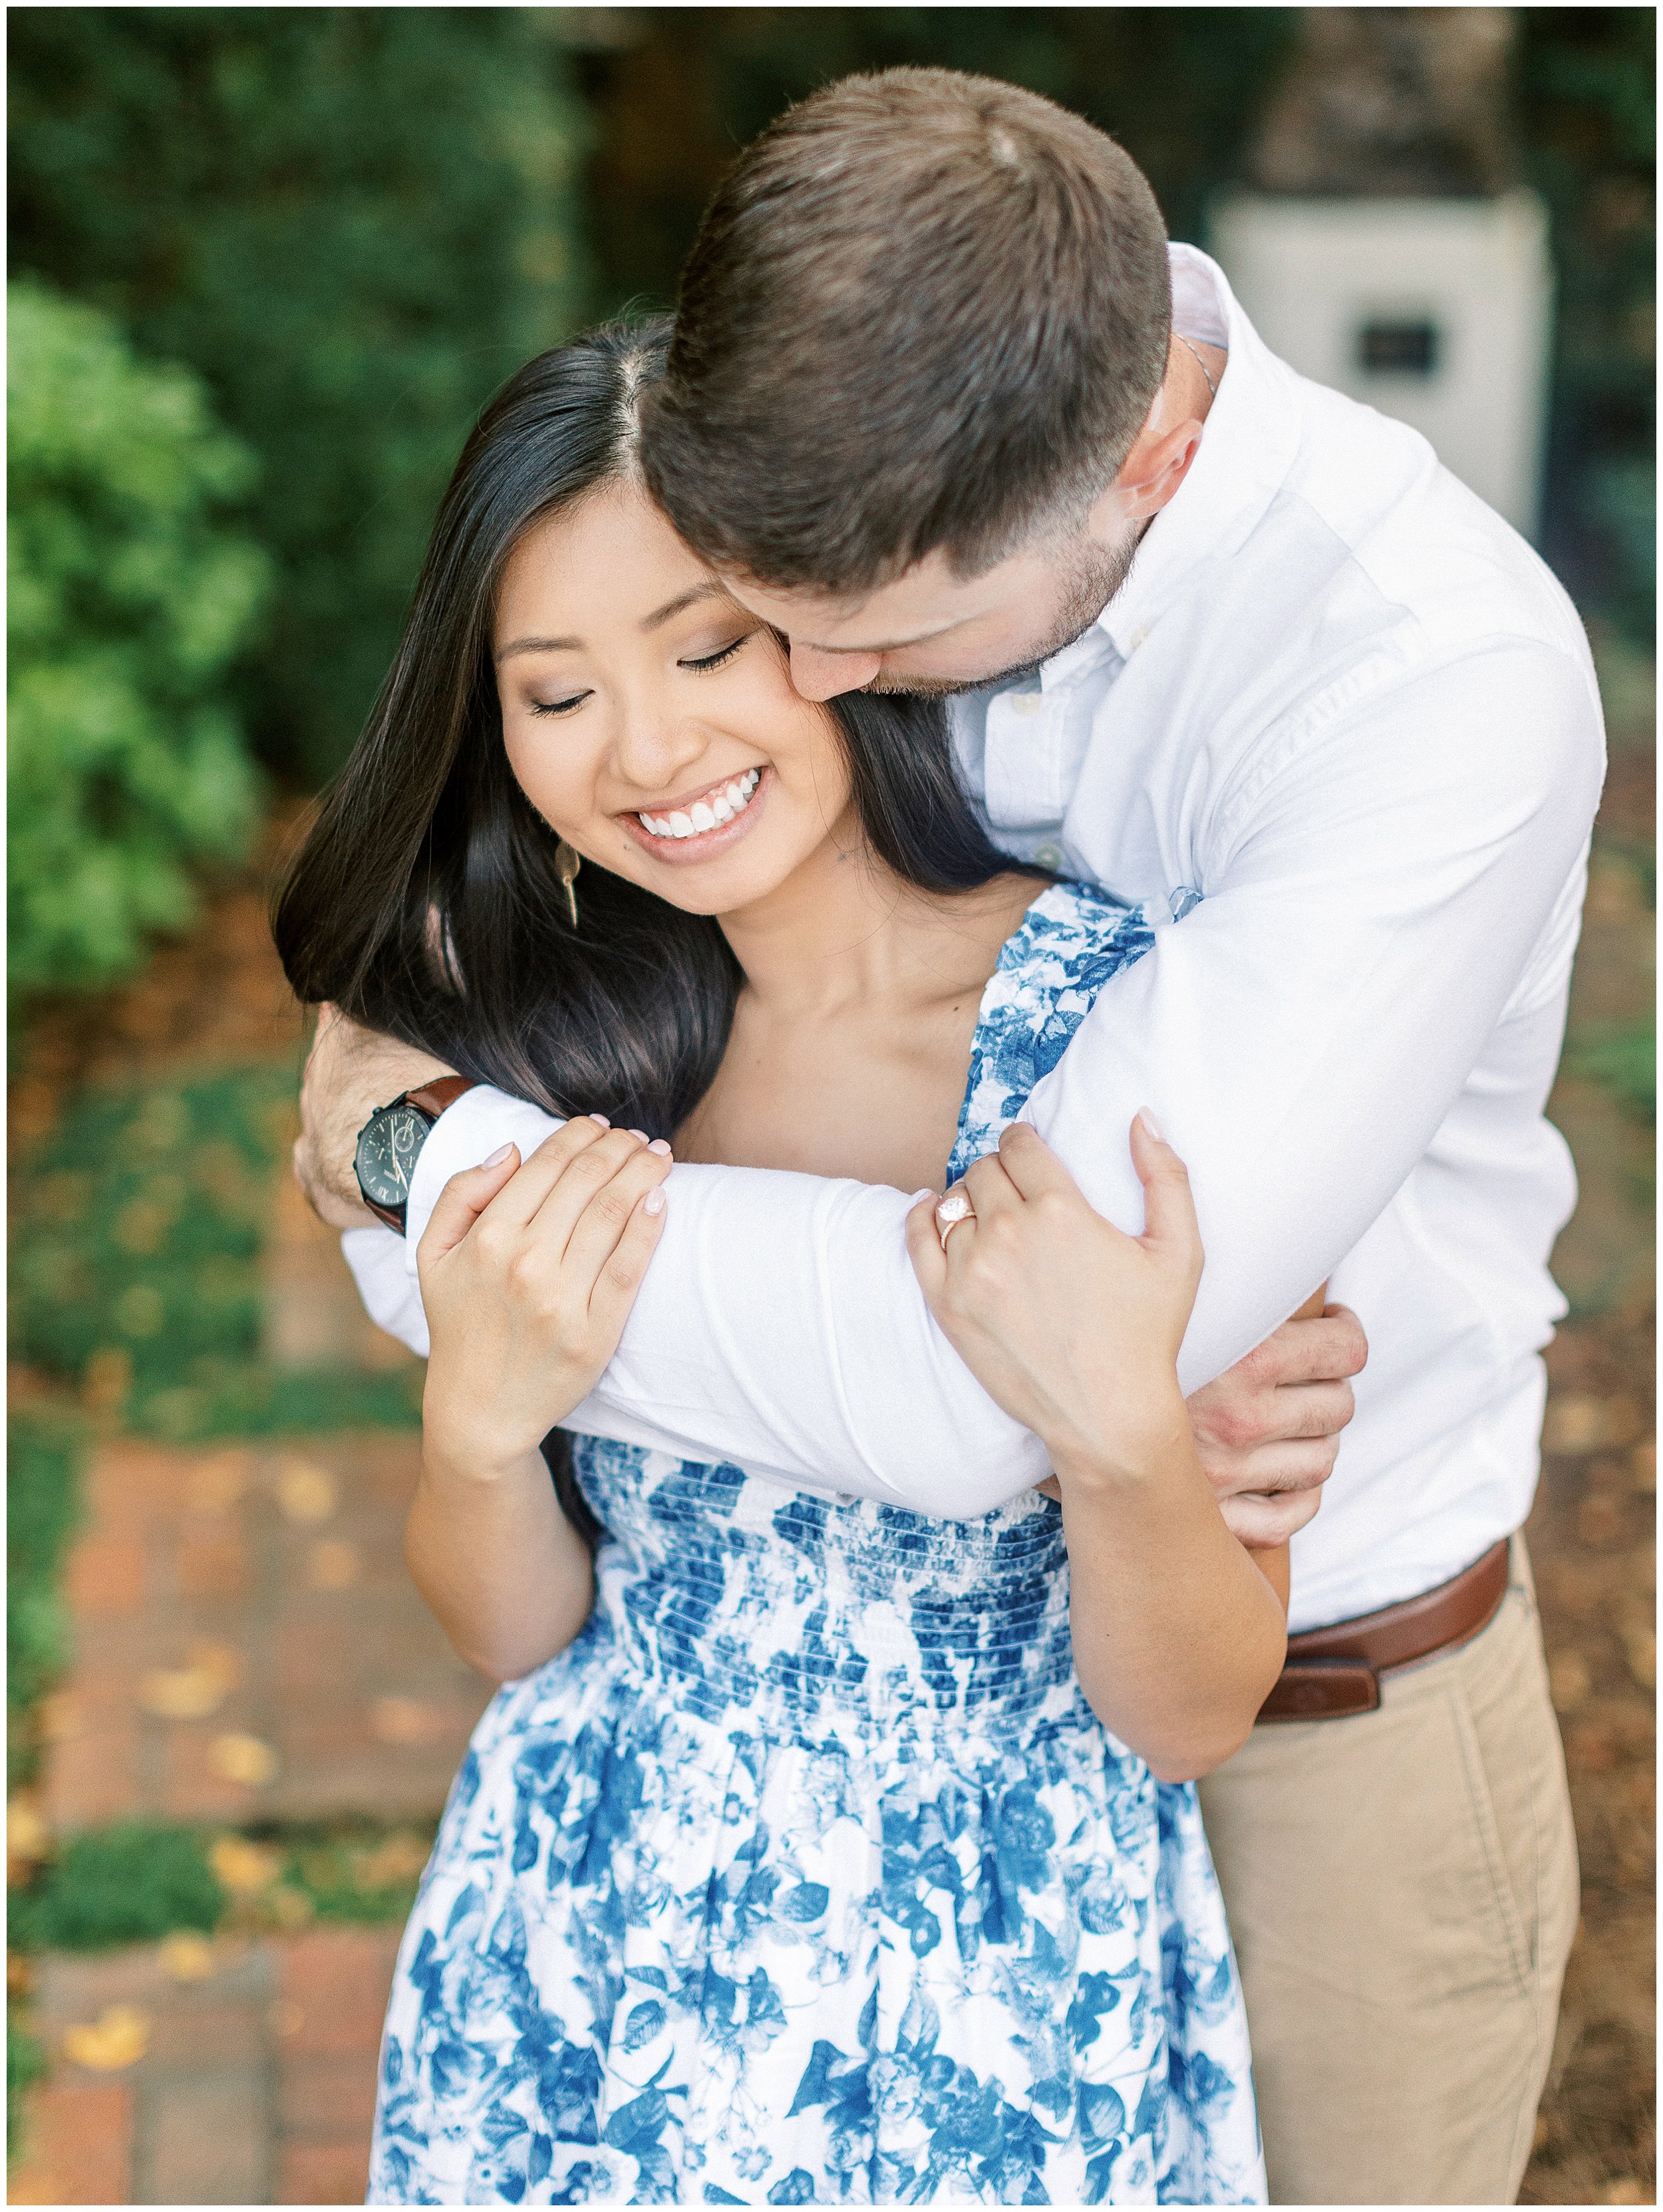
pixel 716 660
pixel 700 667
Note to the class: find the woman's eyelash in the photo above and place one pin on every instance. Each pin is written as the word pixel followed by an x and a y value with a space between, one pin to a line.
pixel 716 660
pixel 709 661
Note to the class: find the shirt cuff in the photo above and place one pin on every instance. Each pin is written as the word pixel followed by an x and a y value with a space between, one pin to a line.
pixel 464 1134
pixel 390 1295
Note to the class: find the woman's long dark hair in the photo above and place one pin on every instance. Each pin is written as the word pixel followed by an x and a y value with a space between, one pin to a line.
pixel 424 902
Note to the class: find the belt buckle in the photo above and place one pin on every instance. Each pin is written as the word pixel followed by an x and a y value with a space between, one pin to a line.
pixel 1322 1690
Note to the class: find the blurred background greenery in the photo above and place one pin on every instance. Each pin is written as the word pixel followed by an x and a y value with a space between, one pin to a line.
pixel 266 265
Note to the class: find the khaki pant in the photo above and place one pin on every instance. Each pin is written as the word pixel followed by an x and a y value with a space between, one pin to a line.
pixel 1401 1886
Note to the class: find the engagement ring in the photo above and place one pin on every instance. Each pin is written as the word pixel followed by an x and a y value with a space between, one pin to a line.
pixel 953 1208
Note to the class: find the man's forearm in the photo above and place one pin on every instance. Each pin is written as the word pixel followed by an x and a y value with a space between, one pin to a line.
pixel 743 1346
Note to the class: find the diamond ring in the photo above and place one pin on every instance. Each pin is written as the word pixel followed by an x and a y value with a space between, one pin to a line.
pixel 953 1208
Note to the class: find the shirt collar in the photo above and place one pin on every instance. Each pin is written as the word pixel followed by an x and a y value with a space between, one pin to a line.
pixel 1248 443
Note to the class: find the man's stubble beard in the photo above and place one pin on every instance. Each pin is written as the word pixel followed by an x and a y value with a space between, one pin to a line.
pixel 1093 579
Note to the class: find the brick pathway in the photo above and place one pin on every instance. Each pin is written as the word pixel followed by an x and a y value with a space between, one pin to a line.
pixel 249 1643
pixel 190 2073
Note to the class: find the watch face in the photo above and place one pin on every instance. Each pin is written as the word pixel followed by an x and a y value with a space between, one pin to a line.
pixel 387 1154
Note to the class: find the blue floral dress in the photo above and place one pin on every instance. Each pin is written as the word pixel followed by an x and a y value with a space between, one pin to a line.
pixel 806 1876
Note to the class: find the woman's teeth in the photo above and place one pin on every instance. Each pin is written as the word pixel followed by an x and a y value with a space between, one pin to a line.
pixel 707 813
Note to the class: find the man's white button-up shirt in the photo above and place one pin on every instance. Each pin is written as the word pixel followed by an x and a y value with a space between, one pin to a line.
pixel 1343 722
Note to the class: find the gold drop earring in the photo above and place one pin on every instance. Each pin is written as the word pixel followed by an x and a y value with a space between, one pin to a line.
pixel 567 862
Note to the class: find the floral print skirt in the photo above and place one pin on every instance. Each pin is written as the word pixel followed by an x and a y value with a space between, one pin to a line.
pixel 660 1959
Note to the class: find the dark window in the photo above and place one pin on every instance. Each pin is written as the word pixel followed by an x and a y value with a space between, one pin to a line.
pixel 1398 348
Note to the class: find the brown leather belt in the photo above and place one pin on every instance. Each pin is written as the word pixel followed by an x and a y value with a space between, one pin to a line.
pixel 1332 1672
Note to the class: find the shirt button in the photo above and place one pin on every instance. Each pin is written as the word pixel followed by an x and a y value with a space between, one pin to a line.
pixel 1026 703
pixel 1137 638
pixel 1048 856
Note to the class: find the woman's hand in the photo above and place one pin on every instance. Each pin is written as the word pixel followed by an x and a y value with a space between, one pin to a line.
pixel 528 1273
pixel 1072 1326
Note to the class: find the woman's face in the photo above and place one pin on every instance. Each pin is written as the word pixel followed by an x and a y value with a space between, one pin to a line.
pixel 650 720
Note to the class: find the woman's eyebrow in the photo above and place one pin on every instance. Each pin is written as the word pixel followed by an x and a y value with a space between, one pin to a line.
pixel 540 645
pixel 708 590
pixel 658 617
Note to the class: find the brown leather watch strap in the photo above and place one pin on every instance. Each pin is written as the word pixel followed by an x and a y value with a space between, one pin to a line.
pixel 444 1090
pixel 1330 1672
pixel 428 1098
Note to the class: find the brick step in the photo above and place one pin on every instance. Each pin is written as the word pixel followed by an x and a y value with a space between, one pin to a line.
pixel 248 1644
pixel 188 2072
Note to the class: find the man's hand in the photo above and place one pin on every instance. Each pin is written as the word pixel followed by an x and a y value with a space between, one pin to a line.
pixel 350 1072
pixel 1269 1431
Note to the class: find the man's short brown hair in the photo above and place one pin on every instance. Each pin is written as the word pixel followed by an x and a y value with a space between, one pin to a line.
pixel 923 310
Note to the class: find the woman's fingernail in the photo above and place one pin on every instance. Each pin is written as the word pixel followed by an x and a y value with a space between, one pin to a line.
pixel 918 1195
pixel 639 1134
pixel 497 1158
pixel 658 1146
pixel 1151 1126
pixel 654 1201
pixel 601 1119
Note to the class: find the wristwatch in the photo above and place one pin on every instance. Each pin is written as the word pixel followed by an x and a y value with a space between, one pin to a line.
pixel 391 1139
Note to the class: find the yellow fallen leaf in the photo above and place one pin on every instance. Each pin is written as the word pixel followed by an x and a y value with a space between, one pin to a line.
pixel 187 1956
pixel 243 1867
pixel 190 1692
pixel 243 1759
pixel 401 1720
pixel 400 1858
pixel 120 2037
pixel 1569 1681
pixel 307 1492
pixel 1579 1422
pixel 27 1833
pixel 1639 1647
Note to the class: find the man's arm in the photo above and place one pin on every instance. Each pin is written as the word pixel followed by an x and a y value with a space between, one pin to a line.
pixel 1301 1035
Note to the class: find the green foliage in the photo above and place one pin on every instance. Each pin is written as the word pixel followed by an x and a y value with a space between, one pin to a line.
pixel 138 1229
pixel 1589 112
pixel 25 2064
pixel 1621 1061
pixel 354 222
pixel 128 595
pixel 131 1883
pixel 43 1466
pixel 352 1871
pixel 139 1225
pixel 137 1880
pixel 681 88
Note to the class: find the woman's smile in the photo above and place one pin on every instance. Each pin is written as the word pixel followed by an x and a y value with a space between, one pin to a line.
pixel 698 825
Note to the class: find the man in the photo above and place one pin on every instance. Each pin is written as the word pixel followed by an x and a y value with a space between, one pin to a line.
pixel 944 408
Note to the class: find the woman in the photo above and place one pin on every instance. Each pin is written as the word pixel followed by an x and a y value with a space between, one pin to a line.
pixel 814 1851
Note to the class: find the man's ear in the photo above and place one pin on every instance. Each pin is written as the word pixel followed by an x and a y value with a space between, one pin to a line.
pixel 1150 474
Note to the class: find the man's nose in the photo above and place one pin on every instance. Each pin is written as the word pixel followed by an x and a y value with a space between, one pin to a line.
pixel 818 675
